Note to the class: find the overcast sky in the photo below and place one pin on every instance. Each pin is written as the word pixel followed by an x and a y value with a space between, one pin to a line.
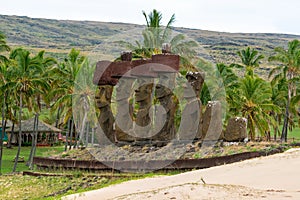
pixel 272 16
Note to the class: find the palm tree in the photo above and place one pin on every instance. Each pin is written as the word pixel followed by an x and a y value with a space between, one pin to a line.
pixel 254 103
pixel 63 84
pixel 46 64
pixel 3 47
pixel 83 97
pixel 3 72
pixel 230 82
pixel 279 98
pixel 4 78
pixel 26 82
pixel 289 60
pixel 250 60
pixel 153 21
pixel 155 35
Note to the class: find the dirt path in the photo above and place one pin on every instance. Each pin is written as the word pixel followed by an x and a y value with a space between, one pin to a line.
pixel 272 177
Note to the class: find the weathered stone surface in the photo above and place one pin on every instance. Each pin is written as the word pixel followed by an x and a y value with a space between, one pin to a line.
pixel 124 116
pixel 165 85
pixel 118 69
pixel 102 74
pixel 236 129
pixel 165 119
pixel 126 56
pixel 190 120
pixel 166 48
pixel 142 68
pixel 196 79
pixel 192 90
pixel 144 101
pixel 106 119
pixel 212 121
pixel 169 60
pixel 103 95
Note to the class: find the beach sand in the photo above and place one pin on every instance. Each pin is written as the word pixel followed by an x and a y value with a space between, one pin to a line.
pixel 273 177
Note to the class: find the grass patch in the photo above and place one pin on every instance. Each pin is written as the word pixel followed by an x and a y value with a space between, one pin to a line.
pixel 294 134
pixel 29 187
pixel 9 155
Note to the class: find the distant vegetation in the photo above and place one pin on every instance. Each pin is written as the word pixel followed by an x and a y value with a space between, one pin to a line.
pixel 59 36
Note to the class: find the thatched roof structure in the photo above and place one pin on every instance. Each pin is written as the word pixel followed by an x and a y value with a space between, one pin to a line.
pixel 8 124
pixel 28 127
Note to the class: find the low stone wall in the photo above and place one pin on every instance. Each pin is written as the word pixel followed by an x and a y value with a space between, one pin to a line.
pixel 139 166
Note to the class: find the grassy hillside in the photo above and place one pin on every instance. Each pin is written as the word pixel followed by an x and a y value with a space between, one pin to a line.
pixel 59 36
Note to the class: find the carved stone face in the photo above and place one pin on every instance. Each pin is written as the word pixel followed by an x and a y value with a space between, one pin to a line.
pixel 144 91
pixel 165 84
pixel 188 91
pixel 103 97
pixel 196 79
pixel 124 88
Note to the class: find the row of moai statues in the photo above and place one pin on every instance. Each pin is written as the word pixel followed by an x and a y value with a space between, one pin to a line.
pixel 140 120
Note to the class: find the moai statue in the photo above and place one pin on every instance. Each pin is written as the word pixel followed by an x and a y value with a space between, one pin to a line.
pixel 190 117
pixel 212 121
pixel 196 80
pixel 106 118
pixel 164 94
pixel 143 97
pixel 102 77
pixel 124 116
pixel 166 67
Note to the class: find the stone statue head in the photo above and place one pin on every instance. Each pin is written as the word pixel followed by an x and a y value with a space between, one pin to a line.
pixel 103 98
pixel 196 79
pixel 166 84
pixel 144 90
pixel 124 88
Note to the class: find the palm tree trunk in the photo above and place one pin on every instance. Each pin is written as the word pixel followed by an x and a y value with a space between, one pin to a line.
pixel 93 136
pixel 276 127
pixel 2 133
pixel 285 124
pixel 81 137
pixel 67 135
pixel 12 131
pixel 71 133
pixel 87 134
pixel 35 141
pixel 57 117
pixel 20 134
pixel 32 141
pixel 287 114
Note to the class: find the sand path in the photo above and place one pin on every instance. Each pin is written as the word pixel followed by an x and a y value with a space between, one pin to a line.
pixel 272 177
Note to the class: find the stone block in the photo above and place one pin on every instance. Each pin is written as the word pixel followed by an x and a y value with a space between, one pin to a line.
pixel 236 129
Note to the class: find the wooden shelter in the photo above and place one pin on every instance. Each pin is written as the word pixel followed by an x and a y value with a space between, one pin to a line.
pixel 46 134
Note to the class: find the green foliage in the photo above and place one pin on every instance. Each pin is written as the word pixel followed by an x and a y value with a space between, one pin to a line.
pixel 288 72
pixel 250 60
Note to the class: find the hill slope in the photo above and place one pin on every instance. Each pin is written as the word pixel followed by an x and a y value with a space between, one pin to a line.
pixel 59 36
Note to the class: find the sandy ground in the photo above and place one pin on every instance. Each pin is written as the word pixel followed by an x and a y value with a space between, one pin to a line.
pixel 272 177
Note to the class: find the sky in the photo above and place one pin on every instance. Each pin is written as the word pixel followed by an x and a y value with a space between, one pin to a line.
pixel 248 16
